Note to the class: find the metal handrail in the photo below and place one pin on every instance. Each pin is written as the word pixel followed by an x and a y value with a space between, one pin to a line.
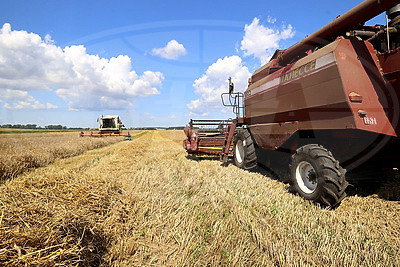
pixel 235 101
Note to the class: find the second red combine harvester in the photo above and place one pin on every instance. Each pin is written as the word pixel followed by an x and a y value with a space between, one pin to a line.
pixel 326 104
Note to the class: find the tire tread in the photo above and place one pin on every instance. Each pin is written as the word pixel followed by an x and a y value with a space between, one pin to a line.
pixel 250 157
pixel 332 189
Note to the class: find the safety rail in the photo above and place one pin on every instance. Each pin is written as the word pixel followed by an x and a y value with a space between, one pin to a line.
pixel 234 100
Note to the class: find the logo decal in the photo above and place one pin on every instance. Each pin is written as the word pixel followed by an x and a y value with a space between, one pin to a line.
pixel 300 71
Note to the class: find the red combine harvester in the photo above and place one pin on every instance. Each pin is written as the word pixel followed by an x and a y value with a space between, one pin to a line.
pixel 328 103
pixel 109 126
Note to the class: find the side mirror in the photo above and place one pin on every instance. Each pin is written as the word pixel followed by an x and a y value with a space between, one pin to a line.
pixel 231 85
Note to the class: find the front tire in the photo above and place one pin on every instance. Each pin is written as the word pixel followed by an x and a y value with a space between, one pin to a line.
pixel 317 176
pixel 244 153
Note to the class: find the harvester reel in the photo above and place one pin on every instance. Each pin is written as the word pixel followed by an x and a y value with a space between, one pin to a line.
pixel 317 176
pixel 244 153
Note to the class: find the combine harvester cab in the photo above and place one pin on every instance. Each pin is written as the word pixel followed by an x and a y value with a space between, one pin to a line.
pixel 110 125
pixel 329 103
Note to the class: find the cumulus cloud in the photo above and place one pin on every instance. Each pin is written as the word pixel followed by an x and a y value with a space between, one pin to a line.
pixel 261 42
pixel 271 20
pixel 214 82
pixel 85 81
pixel 149 116
pixel 15 95
pixel 173 50
pixel 17 99
pixel 29 105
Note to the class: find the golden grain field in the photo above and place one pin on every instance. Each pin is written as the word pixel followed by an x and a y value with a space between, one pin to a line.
pixel 145 203
pixel 24 151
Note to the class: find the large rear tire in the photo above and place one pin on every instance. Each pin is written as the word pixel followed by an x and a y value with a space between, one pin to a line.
pixel 244 153
pixel 317 176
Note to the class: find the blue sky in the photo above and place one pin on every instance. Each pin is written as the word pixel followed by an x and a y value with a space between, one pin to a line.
pixel 154 63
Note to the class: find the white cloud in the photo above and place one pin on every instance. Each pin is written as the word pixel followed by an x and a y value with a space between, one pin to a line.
pixel 214 82
pixel 15 95
pixel 85 81
pixel 48 39
pixel 172 117
pixel 29 105
pixel 51 106
pixel 149 116
pixel 261 42
pixel 18 99
pixel 271 20
pixel 173 50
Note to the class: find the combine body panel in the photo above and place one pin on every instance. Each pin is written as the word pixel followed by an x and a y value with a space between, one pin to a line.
pixel 338 87
pixel 330 102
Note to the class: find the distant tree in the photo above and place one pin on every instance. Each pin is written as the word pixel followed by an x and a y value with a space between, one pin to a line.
pixel 54 127
pixel 30 126
pixel 176 128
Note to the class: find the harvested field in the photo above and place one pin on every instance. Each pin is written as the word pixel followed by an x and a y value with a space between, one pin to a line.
pixel 145 202
pixel 24 151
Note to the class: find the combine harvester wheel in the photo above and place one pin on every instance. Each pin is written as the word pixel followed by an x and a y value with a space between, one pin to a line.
pixel 244 152
pixel 316 175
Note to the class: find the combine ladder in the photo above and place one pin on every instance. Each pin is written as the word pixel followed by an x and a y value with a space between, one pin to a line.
pixel 229 132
